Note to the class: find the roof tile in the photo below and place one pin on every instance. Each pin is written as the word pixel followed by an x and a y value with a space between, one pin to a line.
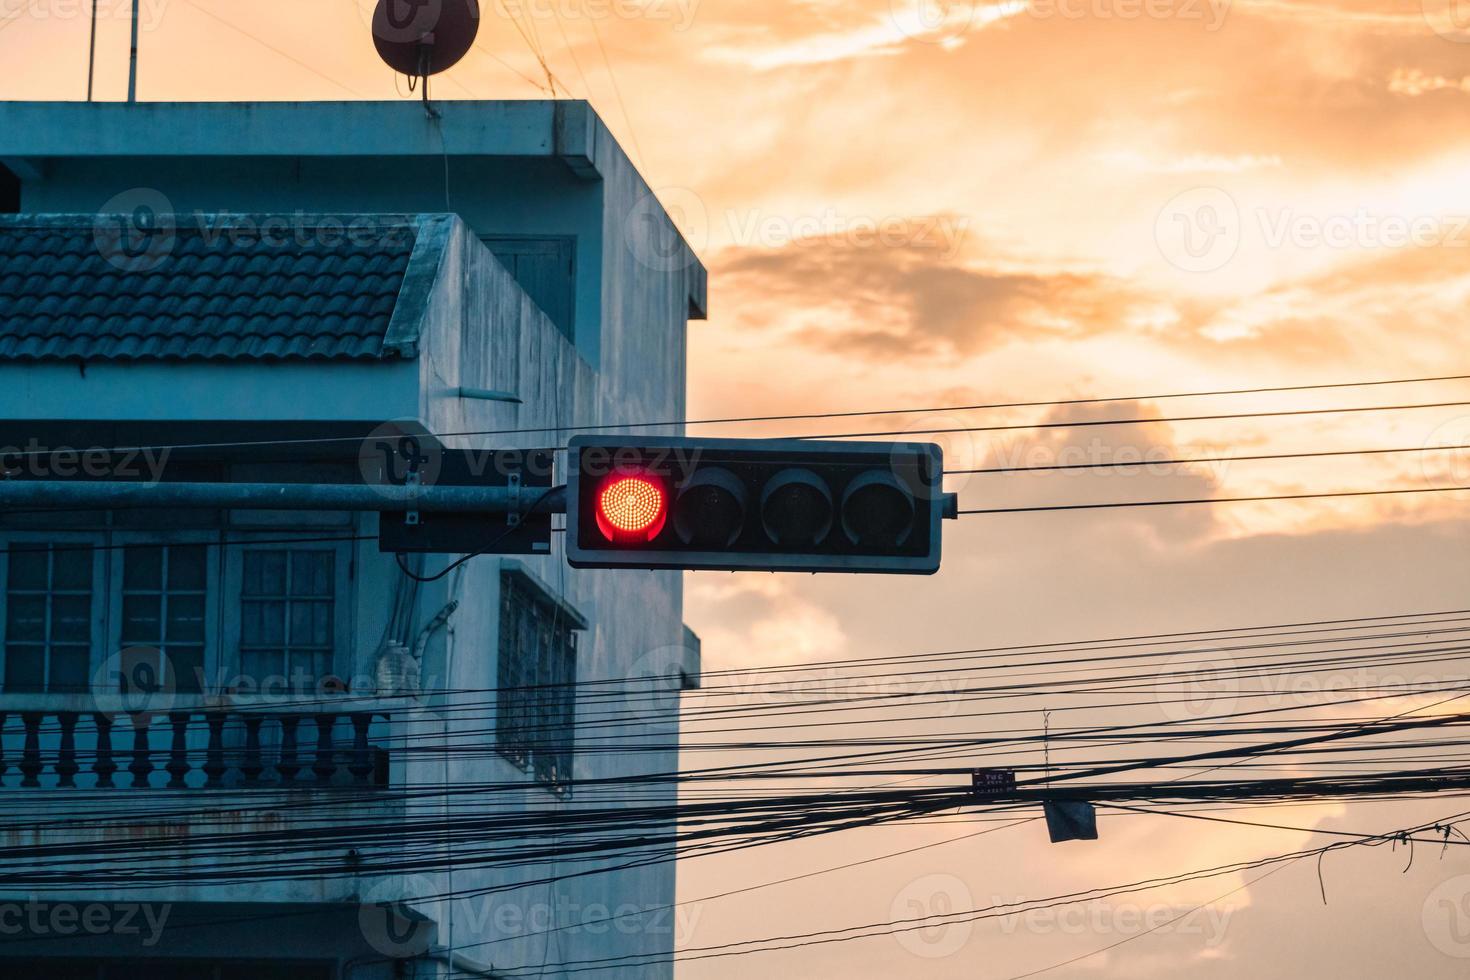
pixel 76 289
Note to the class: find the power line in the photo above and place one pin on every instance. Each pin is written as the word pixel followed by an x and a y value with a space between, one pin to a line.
pixel 1203 459
pixel 1112 505
pixel 609 427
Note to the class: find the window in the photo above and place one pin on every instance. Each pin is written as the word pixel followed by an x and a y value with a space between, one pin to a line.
pixel 49 616
pixel 74 599
pixel 546 268
pixel 287 606
pixel 535 703
pixel 163 607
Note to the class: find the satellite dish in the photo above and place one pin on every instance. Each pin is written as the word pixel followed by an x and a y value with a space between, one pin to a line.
pixel 420 38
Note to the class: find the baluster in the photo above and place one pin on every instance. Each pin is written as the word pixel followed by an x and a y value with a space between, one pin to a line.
pixel 252 767
pixel 214 757
pixel 30 759
pixel 141 766
pixel 104 767
pixel 362 757
pixel 178 756
pixel 325 765
pixel 288 767
pixel 66 763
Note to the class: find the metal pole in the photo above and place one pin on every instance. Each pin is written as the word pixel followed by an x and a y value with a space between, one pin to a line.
pixel 92 52
pixel 133 58
pixel 100 495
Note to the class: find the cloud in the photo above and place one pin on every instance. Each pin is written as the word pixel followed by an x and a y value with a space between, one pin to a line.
pixel 882 33
pixel 907 302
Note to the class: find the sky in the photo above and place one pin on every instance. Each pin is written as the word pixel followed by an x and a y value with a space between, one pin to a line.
pixel 910 203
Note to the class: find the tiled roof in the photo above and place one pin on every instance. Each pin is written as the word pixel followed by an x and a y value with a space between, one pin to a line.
pixel 96 288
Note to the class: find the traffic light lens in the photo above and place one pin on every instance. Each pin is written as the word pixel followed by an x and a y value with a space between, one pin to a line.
pixel 796 508
pixel 631 508
pixel 709 511
pixel 877 511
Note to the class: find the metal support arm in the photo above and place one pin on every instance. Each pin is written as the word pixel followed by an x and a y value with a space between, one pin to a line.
pixel 101 495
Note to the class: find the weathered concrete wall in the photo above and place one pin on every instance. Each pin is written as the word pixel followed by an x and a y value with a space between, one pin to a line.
pixel 553 171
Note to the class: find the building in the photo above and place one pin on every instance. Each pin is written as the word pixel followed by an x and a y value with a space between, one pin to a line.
pixel 311 787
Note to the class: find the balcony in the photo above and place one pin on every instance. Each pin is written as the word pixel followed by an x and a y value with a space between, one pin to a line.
pixel 59 742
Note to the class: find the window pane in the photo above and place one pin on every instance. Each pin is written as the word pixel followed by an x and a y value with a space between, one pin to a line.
pixel 311 573
pixel 186 568
pixel 141 622
pixel 71 619
pixel 262 664
pixel 28 567
pixel 188 667
pixel 143 569
pixel 265 573
pixel 25 619
pixel 185 619
pixel 24 667
pixel 71 567
pixel 263 623
pixel 69 668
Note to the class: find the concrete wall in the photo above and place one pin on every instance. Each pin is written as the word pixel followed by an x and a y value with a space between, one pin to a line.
pixel 627 363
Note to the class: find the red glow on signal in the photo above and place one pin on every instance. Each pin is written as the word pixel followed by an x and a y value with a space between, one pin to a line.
pixel 631 508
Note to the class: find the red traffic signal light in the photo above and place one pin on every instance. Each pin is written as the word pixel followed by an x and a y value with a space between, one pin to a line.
pixel 631 507
pixel 754 504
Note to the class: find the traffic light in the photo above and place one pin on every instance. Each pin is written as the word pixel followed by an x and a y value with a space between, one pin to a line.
pixel 754 505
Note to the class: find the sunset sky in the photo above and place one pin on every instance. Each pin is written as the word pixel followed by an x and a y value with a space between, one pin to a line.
pixel 941 204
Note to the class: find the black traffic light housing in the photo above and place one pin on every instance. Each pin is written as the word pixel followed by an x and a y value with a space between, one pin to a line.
pixel 754 504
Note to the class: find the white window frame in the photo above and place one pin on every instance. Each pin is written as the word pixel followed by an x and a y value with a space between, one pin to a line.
pixel 232 622
pixel 214 557
pixel 100 597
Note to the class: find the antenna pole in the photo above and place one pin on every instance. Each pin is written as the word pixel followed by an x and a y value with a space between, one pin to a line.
pixel 92 52
pixel 133 58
